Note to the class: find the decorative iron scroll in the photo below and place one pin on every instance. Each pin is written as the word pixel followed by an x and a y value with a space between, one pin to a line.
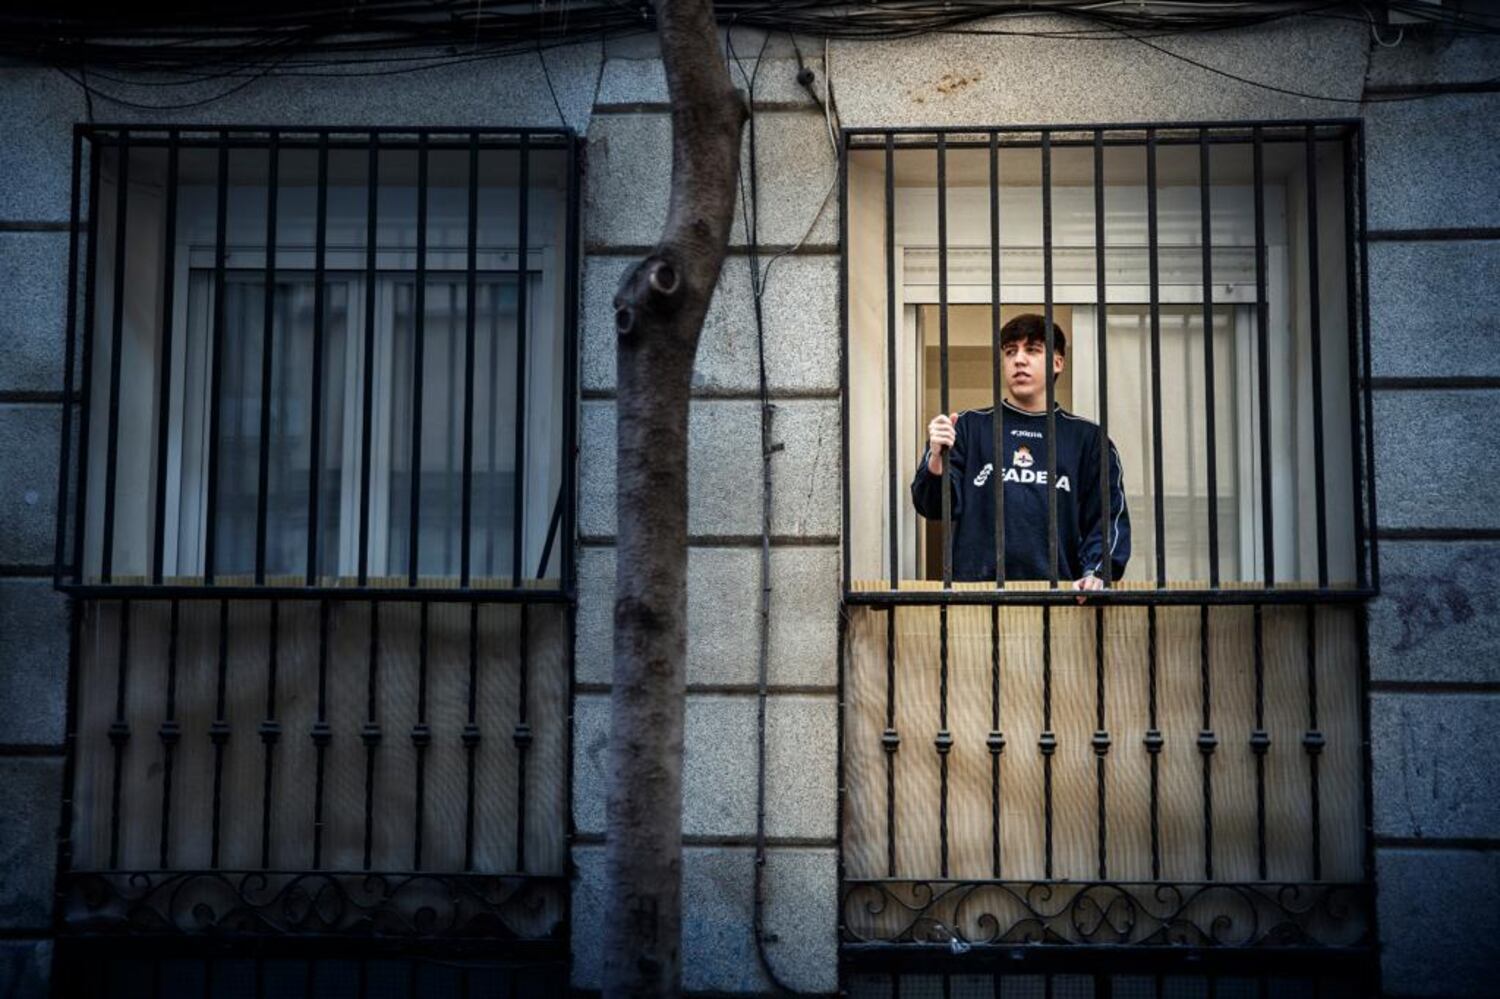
pixel 362 903
pixel 1192 914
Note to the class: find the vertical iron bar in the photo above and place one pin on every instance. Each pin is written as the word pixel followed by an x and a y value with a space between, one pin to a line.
pixel 1101 740
pixel 518 505
pixel 419 353
pixel 843 166
pixel 1101 337
pixel 117 346
pixel 1207 742
pixel 119 733
pixel 997 375
pixel 942 225
pixel 1153 742
pixel 1052 552
pixel 70 755
pixel 890 740
pixel 1312 741
pixel 1211 440
pixel 370 734
pixel 1260 741
pixel 267 349
pixel 471 736
pixel 421 738
pixel 322 734
pixel 1047 742
pixel 65 459
pixel 1315 333
pixel 522 737
pixel 944 740
pixel 315 414
pixel 367 394
pixel 1364 299
pixel 216 363
pixel 1362 633
pixel 1263 354
pixel 270 732
pixel 471 292
pixel 164 387
pixel 1362 528
pixel 1153 248
pixel 492 492
pixel 85 400
pixel 218 732
pixel 893 504
pixel 995 742
pixel 570 372
pixel 170 734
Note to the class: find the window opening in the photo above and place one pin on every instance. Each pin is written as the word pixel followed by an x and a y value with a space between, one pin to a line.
pixel 317 524
pixel 277 293
pixel 1177 766
pixel 1284 502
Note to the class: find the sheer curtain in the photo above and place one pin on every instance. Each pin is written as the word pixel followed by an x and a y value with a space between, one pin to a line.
pixel 1184 433
pixel 445 378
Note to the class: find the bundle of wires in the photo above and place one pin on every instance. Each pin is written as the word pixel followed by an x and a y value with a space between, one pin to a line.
pixel 195 38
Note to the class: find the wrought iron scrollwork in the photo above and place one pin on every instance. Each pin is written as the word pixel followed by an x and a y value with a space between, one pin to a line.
pixel 1193 914
pixel 421 905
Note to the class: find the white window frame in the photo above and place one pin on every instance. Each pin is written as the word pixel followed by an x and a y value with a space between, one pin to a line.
pixel 195 247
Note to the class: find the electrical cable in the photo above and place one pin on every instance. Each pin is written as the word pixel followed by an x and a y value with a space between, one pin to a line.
pixel 759 281
pixel 750 213
pixel 187 36
pixel 1362 99
pixel 561 118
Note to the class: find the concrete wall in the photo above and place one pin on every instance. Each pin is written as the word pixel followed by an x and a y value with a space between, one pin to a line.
pixel 1432 169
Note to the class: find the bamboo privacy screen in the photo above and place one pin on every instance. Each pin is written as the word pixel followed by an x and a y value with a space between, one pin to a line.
pixel 219 769
pixel 1099 816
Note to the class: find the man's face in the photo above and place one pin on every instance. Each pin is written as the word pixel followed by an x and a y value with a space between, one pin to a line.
pixel 1025 364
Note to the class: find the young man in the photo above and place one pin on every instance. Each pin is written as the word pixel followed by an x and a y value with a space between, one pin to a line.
pixel 963 444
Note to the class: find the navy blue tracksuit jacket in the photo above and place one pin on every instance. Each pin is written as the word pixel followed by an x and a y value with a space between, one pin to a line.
pixel 970 465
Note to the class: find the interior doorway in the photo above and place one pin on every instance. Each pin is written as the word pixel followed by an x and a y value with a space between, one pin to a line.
pixel 971 381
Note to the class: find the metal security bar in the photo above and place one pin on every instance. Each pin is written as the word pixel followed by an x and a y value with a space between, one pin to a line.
pixel 272 778
pixel 1180 766
pixel 320 363
pixel 1215 252
pixel 319 540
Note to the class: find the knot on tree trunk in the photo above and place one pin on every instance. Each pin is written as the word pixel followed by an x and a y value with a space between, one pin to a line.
pixel 650 292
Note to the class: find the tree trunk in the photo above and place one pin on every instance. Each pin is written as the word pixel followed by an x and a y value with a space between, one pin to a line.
pixel 659 310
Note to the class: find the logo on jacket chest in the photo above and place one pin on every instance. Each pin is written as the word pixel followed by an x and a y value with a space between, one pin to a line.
pixel 1024 476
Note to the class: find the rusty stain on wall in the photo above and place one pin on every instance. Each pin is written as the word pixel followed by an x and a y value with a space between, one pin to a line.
pixel 943 86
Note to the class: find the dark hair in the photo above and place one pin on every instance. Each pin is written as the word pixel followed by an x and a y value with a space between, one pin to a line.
pixel 1032 328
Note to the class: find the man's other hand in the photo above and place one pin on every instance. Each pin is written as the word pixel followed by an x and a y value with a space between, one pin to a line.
pixel 940 437
pixel 1088 582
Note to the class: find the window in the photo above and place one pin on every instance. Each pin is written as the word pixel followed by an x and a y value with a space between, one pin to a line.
pixel 1176 766
pixel 292 398
pixel 320 532
pixel 1283 454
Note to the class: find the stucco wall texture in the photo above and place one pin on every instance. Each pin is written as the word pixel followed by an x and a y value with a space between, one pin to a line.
pixel 1432 163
